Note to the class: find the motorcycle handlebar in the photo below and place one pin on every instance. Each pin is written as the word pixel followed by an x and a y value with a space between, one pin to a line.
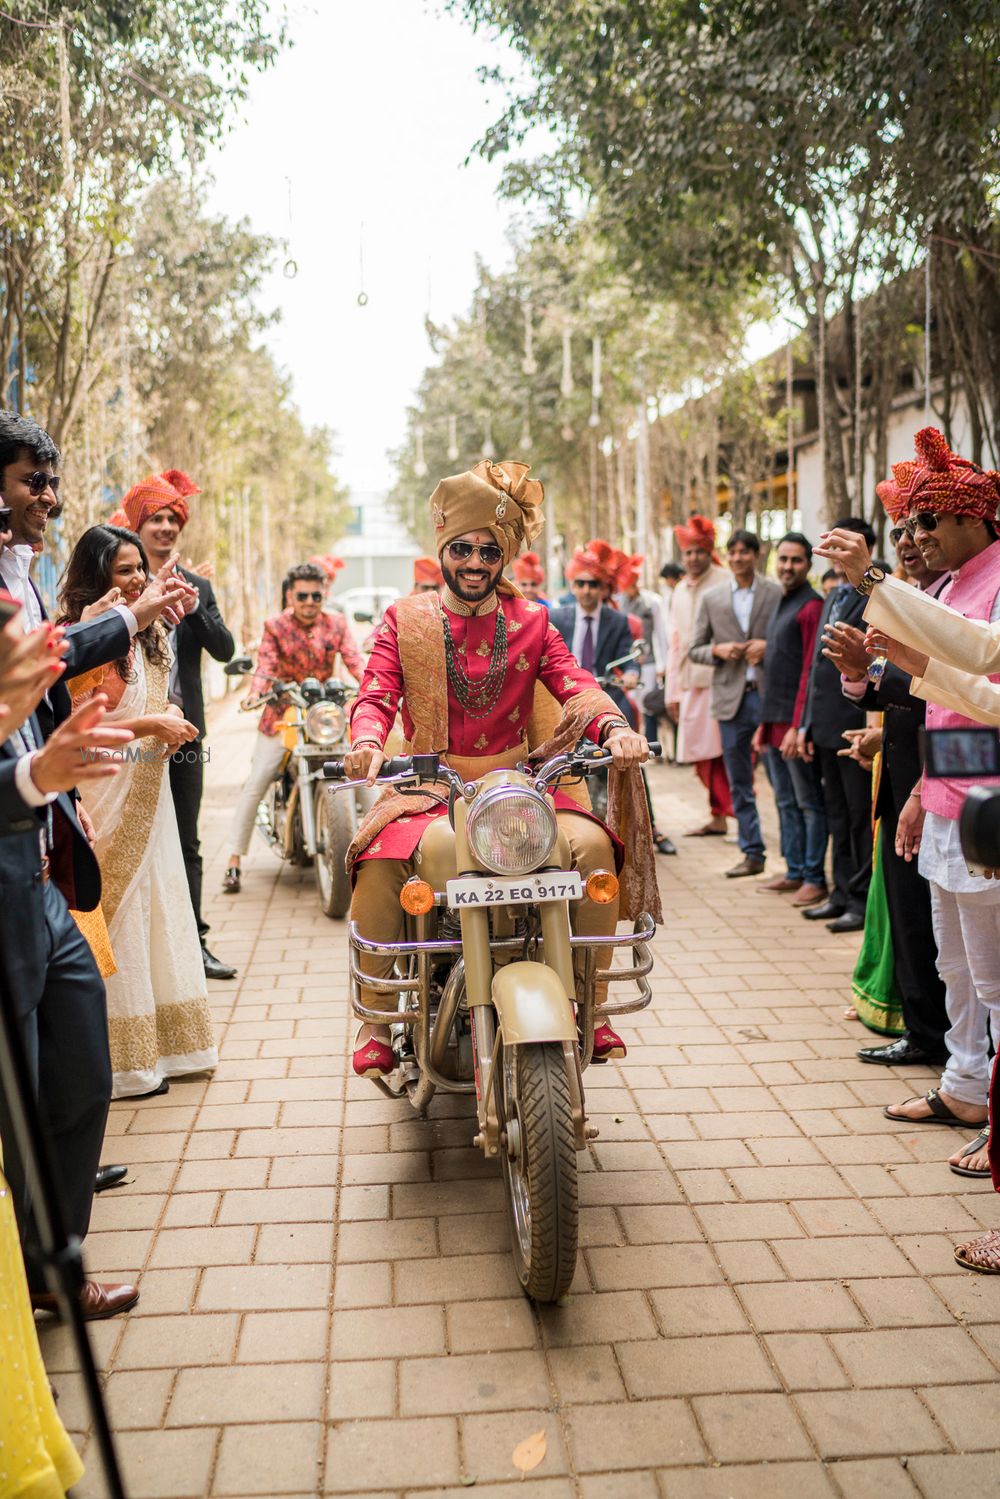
pixel 333 770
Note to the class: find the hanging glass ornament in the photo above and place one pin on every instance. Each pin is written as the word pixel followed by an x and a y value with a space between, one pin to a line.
pixel 290 269
pixel 566 382
pixel 362 294
pixel 595 382
pixel 489 451
pixel 419 466
pixel 529 364
pixel 452 438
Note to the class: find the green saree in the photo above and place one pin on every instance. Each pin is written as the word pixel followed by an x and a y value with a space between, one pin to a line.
pixel 873 985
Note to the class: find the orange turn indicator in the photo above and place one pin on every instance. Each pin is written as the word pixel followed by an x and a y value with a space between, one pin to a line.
pixel 602 887
pixel 417 897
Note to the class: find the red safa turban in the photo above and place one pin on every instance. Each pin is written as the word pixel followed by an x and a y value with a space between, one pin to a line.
pixel 529 569
pixel 895 492
pixel 629 569
pixel 330 565
pixel 699 532
pixel 166 491
pixel 427 570
pixel 597 558
pixel 947 484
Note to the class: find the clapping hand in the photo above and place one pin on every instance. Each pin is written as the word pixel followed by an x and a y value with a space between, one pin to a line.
pixel 844 645
pixel 103 604
pixel 848 550
pixel 166 595
pixel 29 665
pixel 80 750
pixel 878 643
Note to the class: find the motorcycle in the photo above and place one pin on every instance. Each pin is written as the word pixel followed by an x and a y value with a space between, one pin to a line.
pixel 484 985
pixel 299 817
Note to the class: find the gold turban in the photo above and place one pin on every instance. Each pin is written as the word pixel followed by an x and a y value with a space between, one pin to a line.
pixel 494 497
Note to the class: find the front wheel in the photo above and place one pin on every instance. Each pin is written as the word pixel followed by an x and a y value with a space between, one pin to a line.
pixel 538 1154
pixel 334 832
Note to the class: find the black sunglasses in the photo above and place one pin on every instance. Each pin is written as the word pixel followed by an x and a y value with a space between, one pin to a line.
pixel 39 482
pixel 461 551
pixel 305 598
pixel 585 583
pixel 925 519
pixel 896 535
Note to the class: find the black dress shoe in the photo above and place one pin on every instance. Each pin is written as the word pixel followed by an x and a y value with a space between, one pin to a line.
pixel 825 912
pixel 900 1052
pixel 850 921
pixel 664 845
pixel 214 967
pixel 746 866
pixel 109 1176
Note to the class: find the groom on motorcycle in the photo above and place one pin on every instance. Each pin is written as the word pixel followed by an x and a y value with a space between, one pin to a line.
pixel 466 670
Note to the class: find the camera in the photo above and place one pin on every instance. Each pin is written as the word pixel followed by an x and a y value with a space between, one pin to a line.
pixel 979 828
pixel 4 517
pixel 961 753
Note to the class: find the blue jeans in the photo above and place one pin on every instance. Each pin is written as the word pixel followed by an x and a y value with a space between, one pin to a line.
pixel 800 816
pixel 808 787
pixel 736 734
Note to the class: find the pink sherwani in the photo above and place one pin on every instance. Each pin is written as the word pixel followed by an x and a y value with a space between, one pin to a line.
pixel 688 682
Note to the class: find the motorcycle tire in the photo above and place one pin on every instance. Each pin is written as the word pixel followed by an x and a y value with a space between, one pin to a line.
pixel 334 831
pixel 540 1178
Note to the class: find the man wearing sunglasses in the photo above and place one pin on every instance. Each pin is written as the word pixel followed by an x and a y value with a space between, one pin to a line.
pixel 950 509
pixel 463 671
pixel 304 640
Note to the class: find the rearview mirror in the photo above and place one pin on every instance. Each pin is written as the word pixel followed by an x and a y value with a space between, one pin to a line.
pixel 238 666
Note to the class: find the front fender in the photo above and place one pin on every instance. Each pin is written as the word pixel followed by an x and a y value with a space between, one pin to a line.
pixel 532 1005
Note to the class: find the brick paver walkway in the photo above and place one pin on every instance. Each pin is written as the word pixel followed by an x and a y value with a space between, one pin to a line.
pixel 766 1305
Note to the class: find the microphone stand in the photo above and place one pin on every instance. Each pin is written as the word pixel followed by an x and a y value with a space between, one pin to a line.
pixel 60 1250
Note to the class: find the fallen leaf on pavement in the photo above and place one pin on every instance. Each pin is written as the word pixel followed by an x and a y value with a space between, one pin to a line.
pixel 529 1453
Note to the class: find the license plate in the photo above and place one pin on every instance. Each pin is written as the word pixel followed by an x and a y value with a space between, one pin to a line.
pixel 509 890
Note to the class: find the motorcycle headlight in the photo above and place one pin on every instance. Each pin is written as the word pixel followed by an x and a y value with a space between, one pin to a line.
pixel 511 830
pixel 325 723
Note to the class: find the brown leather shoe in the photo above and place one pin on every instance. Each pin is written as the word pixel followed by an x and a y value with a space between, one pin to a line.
pixel 744 867
pixel 811 895
pixel 781 882
pixel 96 1301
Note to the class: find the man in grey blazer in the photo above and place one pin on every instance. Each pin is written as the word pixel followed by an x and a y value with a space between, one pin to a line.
pixel 729 635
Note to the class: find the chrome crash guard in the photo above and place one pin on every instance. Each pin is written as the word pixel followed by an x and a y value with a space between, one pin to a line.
pixel 417 958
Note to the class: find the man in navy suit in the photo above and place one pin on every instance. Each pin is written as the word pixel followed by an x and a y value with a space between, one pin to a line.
pixel 47 972
pixel 595 632
pixel 598 633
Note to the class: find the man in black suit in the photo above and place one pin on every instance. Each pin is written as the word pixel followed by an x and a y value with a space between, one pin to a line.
pixel 157 511
pixel 907 893
pixel 847 787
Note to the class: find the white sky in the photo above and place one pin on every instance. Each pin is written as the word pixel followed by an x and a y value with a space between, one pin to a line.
pixel 370 114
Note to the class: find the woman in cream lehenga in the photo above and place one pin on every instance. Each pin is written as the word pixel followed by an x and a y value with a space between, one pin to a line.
pixel 158 1016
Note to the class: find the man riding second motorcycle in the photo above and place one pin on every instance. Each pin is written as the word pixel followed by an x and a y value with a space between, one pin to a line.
pixel 467 671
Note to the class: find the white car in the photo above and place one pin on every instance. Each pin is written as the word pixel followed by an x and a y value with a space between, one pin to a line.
pixel 364 605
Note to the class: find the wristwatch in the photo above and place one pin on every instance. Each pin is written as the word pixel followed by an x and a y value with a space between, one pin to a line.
pixel 876 669
pixel 612 723
pixel 873 574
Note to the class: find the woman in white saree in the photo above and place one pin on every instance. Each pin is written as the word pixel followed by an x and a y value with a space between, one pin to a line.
pixel 158 1017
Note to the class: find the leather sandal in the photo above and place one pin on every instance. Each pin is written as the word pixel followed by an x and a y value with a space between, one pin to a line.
pixel 973 1148
pixel 982 1254
pixel 939 1114
pixel 231 880
pixel 608 1046
pixel 373 1058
